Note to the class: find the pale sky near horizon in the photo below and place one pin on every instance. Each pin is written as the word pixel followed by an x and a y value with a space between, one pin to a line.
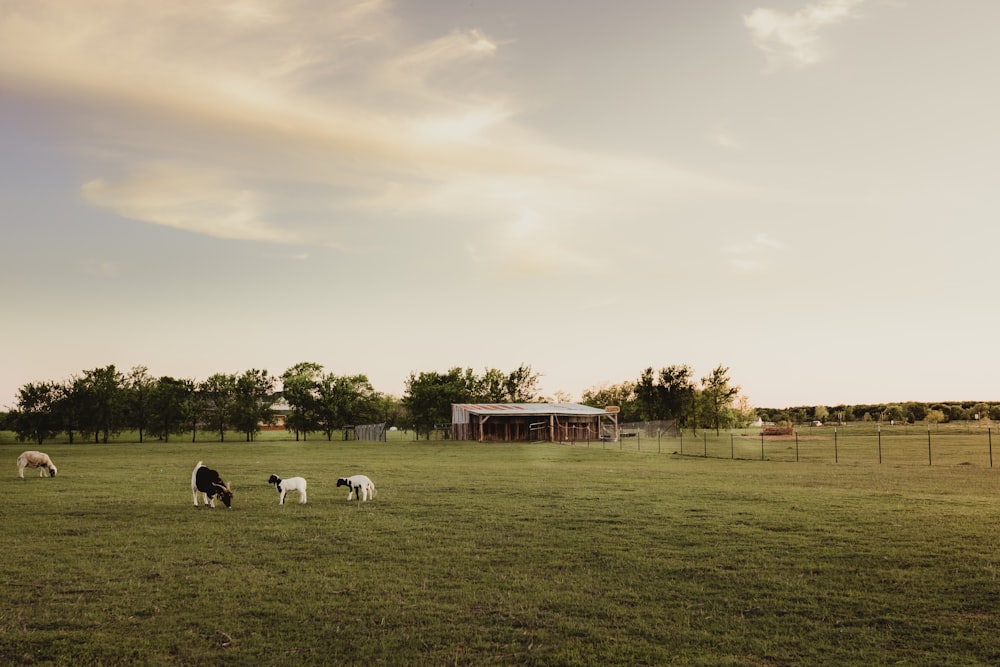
pixel 802 191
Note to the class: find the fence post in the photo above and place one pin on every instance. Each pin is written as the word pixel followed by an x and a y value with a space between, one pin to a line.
pixel 928 444
pixel 796 446
pixel 732 447
pixel 880 444
pixel 762 444
pixel 989 434
pixel 704 437
pixel 835 456
pixel 682 442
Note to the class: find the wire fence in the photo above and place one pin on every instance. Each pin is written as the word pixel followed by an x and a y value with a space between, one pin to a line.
pixel 897 445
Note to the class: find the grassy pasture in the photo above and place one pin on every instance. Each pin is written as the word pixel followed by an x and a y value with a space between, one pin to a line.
pixel 496 554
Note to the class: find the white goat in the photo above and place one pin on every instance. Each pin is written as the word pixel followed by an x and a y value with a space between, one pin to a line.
pixel 290 484
pixel 359 484
pixel 33 459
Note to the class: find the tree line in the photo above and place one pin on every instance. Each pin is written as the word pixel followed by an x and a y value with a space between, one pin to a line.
pixel 674 393
pixel 908 412
pixel 101 403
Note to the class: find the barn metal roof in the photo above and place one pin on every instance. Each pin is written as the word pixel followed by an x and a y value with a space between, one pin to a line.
pixel 529 409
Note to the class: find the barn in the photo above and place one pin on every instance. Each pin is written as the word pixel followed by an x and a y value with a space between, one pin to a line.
pixel 531 422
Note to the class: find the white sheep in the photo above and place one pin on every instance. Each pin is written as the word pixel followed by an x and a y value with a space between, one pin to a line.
pixel 359 484
pixel 33 459
pixel 290 484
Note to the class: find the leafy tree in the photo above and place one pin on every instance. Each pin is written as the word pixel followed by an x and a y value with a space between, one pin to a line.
pixel 522 385
pixel 35 418
pixel 137 390
pixel 389 410
pixel 168 407
pixel 495 386
pixel 101 399
pixel 621 395
pixel 70 409
pixel 196 408
pixel 718 395
pixel 667 394
pixel 894 414
pixel 344 401
pixel 429 395
pixel 955 412
pixel 821 413
pixel 301 390
pixel 252 402
pixel 357 400
pixel 914 412
pixel 843 413
pixel 743 413
pixel 934 417
pixel 219 393
pixel 647 396
pixel 677 392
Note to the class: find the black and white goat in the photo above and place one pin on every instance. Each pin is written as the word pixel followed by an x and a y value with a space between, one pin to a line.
pixel 291 484
pixel 33 459
pixel 208 483
pixel 358 484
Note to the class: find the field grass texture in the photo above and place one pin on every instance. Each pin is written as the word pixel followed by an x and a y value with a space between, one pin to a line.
pixel 472 554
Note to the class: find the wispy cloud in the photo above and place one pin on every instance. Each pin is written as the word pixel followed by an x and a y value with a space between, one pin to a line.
pixel 752 255
pixel 211 115
pixel 793 39
pixel 194 200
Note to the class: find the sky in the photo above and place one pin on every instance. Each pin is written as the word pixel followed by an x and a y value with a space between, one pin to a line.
pixel 803 192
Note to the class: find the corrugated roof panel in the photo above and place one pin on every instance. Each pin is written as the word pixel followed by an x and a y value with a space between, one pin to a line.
pixel 529 409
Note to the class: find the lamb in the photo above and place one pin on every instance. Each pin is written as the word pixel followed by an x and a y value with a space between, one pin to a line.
pixel 209 484
pixel 33 459
pixel 290 484
pixel 358 484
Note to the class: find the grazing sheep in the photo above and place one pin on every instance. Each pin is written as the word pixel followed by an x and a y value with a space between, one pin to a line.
pixel 290 484
pixel 32 459
pixel 207 482
pixel 358 484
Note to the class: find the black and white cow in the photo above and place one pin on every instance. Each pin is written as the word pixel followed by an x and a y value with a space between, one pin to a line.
pixel 208 483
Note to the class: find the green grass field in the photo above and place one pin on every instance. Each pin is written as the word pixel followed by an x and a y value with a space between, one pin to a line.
pixel 500 554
